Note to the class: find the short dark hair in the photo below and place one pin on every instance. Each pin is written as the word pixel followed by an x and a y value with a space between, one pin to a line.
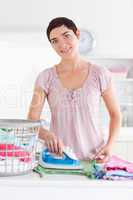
pixel 59 21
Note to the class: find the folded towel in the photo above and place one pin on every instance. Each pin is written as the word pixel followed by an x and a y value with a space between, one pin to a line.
pixel 116 163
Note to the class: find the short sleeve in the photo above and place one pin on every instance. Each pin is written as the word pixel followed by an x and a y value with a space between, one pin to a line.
pixel 105 79
pixel 43 80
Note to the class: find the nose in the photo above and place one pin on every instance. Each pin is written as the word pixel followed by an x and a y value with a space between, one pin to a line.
pixel 62 44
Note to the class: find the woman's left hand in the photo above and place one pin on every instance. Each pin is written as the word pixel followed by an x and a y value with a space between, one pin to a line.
pixel 104 154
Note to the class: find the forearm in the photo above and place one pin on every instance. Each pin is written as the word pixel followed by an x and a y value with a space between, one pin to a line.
pixel 42 131
pixel 114 128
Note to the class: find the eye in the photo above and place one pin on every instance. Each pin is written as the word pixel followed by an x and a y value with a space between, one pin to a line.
pixel 68 35
pixel 54 41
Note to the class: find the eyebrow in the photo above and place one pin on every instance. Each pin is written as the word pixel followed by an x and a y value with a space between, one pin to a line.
pixel 61 34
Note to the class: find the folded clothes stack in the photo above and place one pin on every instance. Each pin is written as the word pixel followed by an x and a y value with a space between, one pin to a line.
pixel 90 169
pixel 118 169
pixel 115 169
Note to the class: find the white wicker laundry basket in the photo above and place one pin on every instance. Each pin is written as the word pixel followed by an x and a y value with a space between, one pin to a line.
pixel 18 140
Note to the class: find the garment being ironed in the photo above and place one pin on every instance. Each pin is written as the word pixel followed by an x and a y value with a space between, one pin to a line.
pixel 75 113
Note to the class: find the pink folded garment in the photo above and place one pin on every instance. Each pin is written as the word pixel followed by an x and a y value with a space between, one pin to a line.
pixel 12 150
pixel 116 163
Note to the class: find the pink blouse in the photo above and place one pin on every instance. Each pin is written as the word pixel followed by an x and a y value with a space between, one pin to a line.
pixel 75 113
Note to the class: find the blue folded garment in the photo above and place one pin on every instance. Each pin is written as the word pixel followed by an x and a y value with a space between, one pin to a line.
pixel 121 173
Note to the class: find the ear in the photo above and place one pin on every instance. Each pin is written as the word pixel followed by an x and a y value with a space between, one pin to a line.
pixel 78 33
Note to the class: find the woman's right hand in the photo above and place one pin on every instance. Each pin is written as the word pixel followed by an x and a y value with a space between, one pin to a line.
pixel 54 144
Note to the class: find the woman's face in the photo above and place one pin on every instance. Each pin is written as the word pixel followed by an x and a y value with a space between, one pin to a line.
pixel 64 41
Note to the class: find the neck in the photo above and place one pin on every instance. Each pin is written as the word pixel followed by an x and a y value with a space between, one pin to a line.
pixel 72 64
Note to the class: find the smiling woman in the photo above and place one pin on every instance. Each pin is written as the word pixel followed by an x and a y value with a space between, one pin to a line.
pixel 64 41
pixel 74 88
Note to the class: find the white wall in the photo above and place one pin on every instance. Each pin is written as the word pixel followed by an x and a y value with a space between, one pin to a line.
pixel 19 66
pixel 24 49
pixel 110 20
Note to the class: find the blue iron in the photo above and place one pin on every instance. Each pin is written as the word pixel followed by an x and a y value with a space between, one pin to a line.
pixel 67 161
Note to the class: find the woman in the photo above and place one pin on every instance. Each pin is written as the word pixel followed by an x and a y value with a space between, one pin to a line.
pixel 74 88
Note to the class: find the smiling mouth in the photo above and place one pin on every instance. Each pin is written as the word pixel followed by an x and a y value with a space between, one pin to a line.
pixel 66 51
